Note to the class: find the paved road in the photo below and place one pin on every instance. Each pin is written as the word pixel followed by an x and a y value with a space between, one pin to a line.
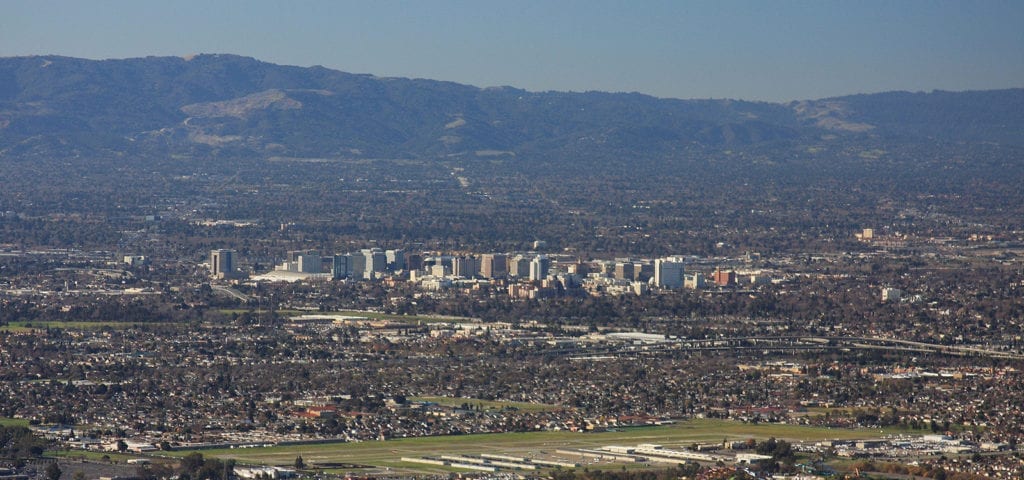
pixel 230 292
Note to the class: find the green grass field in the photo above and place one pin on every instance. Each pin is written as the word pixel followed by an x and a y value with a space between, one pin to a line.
pixel 93 456
pixel 30 326
pixel 13 422
pixel 386 455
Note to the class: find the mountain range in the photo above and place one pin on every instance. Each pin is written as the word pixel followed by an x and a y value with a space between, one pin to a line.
pixel 227 105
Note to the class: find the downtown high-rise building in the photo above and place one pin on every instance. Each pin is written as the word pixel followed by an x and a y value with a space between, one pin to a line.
pixel 222 263
pixel 376 261
pixel 539 267
pixel 493 265
pixel 465 267
pixel 668 273
pixel 340 266
pixel 623 271
pixel 395 260
pixel 519 266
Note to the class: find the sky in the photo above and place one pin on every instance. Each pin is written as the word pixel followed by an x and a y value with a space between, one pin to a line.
pixel 752 50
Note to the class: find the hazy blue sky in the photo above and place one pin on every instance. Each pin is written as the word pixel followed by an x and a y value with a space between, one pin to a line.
pixel 757 50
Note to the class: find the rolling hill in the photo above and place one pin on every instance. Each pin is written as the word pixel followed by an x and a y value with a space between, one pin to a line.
pixel 228 106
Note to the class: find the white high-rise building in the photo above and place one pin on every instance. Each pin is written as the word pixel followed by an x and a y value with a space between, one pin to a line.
pixel 539 267
pixel 668 273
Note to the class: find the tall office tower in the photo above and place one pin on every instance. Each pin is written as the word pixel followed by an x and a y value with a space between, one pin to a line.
pixel 395 260
pixel 339 266
pixel 493 265
pixel 293 255
pixel 440 270
pixel 222 263
pixel 464 267
pixel 539 267
pixel 304 261
pixel 694 281
pixel 309 262
pixel 519 266
pixel 624 271
pixel 356 265
pixel 668 273
pixel 643 271
pixel 376 262
pixel 414 261
pixel 577 268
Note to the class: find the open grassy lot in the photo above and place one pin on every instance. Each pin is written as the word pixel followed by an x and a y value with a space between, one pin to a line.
pixel 30 326
pixel 93 456
pixel 386 455
pixel 13 422
pixel 486 404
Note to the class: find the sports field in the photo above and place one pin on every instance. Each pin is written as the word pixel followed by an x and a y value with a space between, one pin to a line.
pixel 386 455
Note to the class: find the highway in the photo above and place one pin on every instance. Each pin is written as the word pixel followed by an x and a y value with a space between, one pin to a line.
pixel 230 292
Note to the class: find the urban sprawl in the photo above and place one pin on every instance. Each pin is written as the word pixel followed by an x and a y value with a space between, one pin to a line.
pixel 381 344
